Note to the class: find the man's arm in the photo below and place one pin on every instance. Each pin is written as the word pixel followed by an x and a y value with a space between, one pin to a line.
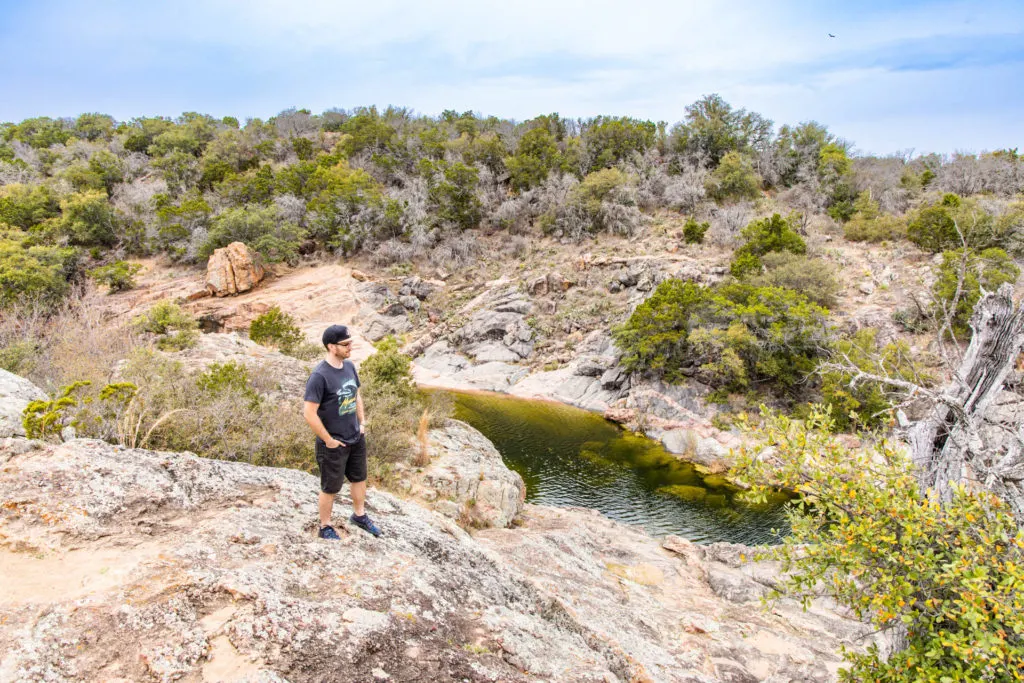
pixel 360 415
pixel 316 424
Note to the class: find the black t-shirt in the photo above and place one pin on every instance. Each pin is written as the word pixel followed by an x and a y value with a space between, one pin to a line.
pixel 335 390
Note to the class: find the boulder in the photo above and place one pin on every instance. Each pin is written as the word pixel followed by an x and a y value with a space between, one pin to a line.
pixel 15 394
pixel 375 326
pixel 410 302
pixel 591 366
pixel 466 469
pixel 538 286
pixel 417 287
pixel 487 326
pixel 490 351
pixel 233 269
pixel 613 378
pixel 374 294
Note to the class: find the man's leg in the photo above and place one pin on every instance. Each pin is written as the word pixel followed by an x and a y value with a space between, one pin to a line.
pixel 326 504
pixel 358 492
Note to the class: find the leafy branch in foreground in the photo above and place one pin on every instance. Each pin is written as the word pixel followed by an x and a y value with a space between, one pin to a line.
pixel 947 578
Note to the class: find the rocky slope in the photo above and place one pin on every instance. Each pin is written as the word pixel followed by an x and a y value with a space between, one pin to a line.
pixel 133 565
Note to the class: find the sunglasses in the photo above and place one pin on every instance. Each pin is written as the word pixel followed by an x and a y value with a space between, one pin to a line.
pixel 344 343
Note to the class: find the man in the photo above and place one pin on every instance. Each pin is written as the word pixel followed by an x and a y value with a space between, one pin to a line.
pixel 334 411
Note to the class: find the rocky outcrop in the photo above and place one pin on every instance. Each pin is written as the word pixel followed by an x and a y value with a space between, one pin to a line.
pixel 135 565
pixel 443 367
pixel 681 612
pixel 499 332
pixel 467 480
pixel 381 312
pixel 233 269
pixel 15 394
pixel 418 287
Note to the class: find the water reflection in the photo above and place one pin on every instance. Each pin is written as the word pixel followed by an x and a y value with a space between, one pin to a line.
pixel 570 457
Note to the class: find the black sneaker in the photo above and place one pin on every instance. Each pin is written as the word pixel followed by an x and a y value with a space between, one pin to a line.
pixel 366 524
pixel 328 533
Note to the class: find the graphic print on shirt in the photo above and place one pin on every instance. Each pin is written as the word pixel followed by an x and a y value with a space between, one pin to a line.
pixel 347 397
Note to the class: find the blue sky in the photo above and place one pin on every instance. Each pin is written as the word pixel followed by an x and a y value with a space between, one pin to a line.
pixel 921 75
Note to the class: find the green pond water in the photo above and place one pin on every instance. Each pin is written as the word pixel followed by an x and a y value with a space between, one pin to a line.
pixel 571 457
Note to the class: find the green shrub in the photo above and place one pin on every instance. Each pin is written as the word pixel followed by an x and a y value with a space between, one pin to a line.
pixel 536 156
pixel 45 418
pixel 1010 223
pixel 258 227
pixel 951 575
pixel 25 206
pixel 118 276
pixel 176 329
pixel 231 377
pixel 177 222
pixel 394 407
pixel 34 274
pixel 19 356
pixel 599 186
pixel 221 420
pixel 989 269
pixel 610 140
pixel 88 219
pixel 743 265
pixel 810 277
pixel 868 404
pixel 693 232
pixel 762 237
pixel 734 179
pixel 731 335
pixel 952 222
pixel 451 189
pixel 278 329
pixel 388 369
pixel 883 228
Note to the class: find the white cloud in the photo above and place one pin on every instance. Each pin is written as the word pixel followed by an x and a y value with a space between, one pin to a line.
pixel 646 58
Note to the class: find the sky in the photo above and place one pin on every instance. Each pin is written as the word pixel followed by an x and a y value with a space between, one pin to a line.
pixel 898 77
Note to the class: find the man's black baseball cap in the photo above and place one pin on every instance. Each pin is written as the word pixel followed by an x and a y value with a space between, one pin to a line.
pixel 335 334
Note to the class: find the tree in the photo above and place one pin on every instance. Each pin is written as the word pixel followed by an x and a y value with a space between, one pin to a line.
pixel 259 228
pixel 140 132
pixel 34 273
pixel 953 222
pixel 178 222
pixel 25 206
pixel 713 128
pixel 41 132
pixel 868 404
pixel 734 179
pixel 610 140
pixel 87 219
pixel 536 156
pixel 94 127
pixel 730 335
pixel 451 189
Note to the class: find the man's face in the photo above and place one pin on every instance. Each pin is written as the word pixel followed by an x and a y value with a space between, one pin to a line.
pixel 342 349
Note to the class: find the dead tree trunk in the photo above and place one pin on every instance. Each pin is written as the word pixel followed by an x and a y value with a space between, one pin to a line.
pixel 947 447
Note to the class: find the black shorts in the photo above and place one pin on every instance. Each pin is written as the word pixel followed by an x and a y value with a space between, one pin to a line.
pixel 338 464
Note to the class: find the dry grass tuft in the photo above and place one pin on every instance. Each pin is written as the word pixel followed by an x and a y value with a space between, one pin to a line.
pixel 422 458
